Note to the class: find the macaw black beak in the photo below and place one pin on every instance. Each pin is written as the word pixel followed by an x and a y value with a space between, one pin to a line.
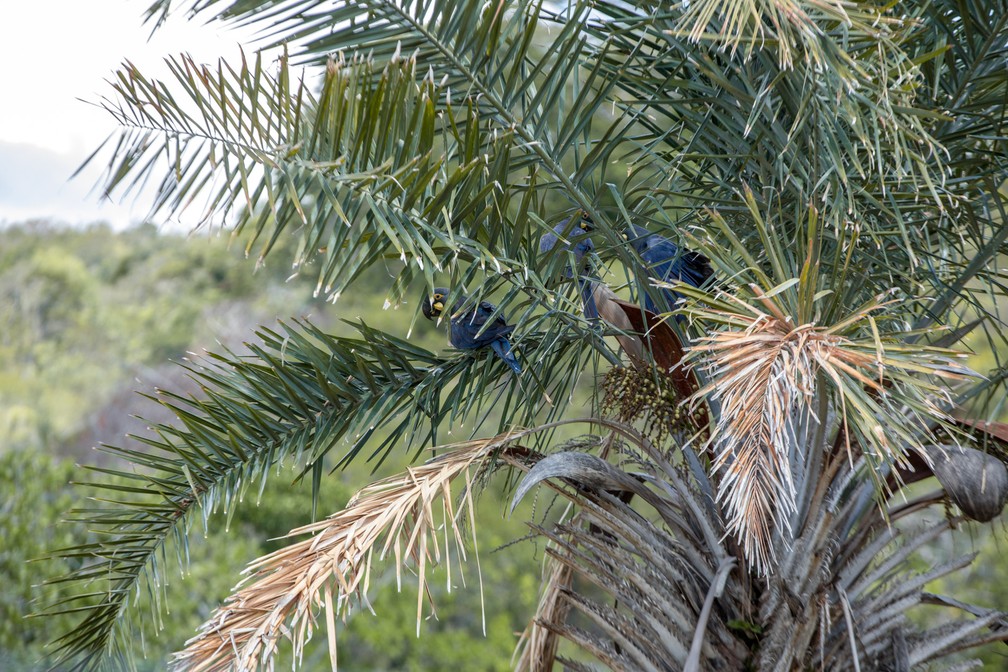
pixel 437 304
pixel 434 304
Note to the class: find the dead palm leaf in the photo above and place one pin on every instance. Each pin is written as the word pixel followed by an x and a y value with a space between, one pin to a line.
pixel 764 369
pixel 330 570
pixel 537 648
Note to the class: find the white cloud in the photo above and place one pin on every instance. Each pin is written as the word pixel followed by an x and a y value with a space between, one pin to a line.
pixel 35 184
pixel 56 53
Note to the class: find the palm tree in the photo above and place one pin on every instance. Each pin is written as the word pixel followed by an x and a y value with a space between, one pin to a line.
pixel 743 488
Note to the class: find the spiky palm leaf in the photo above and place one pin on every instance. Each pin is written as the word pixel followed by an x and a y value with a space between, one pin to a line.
pixel 837 598
pixel 821 154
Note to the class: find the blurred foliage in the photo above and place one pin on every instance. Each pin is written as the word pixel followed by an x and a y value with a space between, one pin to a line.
pixel 83 309
pixel 29 513
pixel 985 584
pixel 93 314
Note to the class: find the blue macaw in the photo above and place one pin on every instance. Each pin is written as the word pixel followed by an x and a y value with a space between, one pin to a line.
pixel 464 329
pixel 582 249
pixel 668 263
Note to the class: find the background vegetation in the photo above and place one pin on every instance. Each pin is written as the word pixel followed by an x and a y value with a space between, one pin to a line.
pixel 91 316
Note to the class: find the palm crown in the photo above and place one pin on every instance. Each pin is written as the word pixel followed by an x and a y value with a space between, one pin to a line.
pixel 840 165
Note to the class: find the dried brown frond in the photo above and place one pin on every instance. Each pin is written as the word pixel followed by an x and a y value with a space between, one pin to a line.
pixel 660 341
pixel 763 370
pixel 538 644
pixel 994 435
pixel 613 313
pixel 330 570
pixel 759 374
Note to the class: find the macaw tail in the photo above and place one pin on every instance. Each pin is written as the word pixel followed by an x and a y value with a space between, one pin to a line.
pixel 503 349
pixel 588 299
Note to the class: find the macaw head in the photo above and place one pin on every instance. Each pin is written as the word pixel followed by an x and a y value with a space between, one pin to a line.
pixel 434 304
pixel 637 236
pixel 574 226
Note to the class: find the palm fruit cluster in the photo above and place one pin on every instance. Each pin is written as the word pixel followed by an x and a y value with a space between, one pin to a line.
pixel 647 396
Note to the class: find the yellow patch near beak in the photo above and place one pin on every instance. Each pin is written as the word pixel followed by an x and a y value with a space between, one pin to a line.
pixel 437 306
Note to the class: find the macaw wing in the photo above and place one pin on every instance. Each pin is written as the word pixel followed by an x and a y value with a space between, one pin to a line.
pixel 659 255
pixel 583 245
pixel 561 234
pixel 671 264
pixel 695 268
pixel 639 237
pixel 547 242
pixel 659 251
pixel 466 328
pixel 497 328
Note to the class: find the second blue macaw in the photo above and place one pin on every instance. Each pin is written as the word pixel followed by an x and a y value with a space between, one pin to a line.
pixel 565 233
pixel 668 263
pixel 464 329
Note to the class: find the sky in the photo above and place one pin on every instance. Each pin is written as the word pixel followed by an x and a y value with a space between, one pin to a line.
pixel 57 54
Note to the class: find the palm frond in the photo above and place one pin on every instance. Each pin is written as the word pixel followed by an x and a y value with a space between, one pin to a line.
pixel 796 29
pixel 658 575
pixel 329 571
pixel 300 395
pixel 367 169
pixel 765 366
pixel 537 647
pixel 841 597
pixel 489 83
pixel 716 121
pixel 841 165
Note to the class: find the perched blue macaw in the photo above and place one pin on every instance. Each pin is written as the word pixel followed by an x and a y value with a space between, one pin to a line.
pixel 667 262
pixel 564 233
pixel 464 329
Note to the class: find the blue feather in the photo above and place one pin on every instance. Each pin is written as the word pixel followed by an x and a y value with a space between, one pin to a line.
pixel 473 329
pixel 502 348
pixel 582 248
pixel 667 262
